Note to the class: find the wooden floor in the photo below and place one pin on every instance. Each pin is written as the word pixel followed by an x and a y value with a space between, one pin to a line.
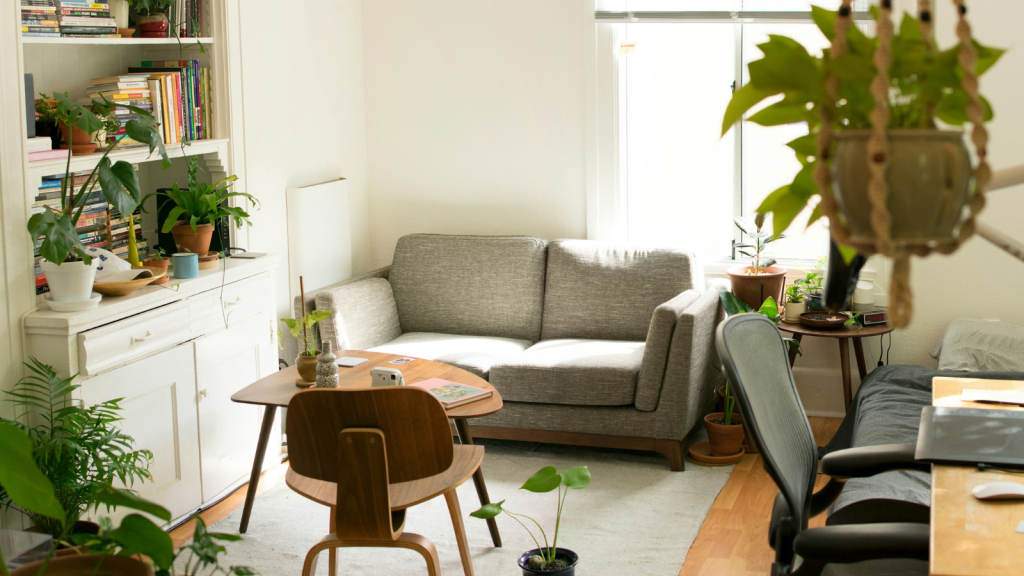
pixel 734 537
pixel 733 540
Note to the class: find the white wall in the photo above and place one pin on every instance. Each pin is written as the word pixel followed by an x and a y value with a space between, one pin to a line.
pixel 475 118
pixel 304 117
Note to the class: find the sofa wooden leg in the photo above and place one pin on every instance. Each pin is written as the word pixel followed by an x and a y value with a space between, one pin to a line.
pixel 673 450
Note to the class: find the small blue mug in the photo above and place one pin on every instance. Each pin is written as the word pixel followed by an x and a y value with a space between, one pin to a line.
pixel 186 265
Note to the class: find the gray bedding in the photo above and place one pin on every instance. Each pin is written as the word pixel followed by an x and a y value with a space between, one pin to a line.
pixel 887 410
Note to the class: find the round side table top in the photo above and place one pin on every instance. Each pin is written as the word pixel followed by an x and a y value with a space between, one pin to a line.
pixel 278 388
pixel 844 332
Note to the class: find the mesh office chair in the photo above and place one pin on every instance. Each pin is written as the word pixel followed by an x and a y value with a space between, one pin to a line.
pixel 756 363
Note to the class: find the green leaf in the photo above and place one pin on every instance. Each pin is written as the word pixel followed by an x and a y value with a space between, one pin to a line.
pixel 120 185
pixel 317 316
pixel 742 100
pixel 987 57
pixel 21 479
pixel 806 145
pixel 910 29
pixel 112 497
pixel 769 202
pixel 852 68
pixel 816 215
pixel 732 304
pixel 826 20
pixel 60 238
pixel 293 325
pixel 576 477
pixel 782 112
pixel 76 114
pixel 172 218
pixel 139 535
pixel 545 480
pixel 771 310
pixel 148 134
pixel 847 252
pixel 488 511
pixel 786 70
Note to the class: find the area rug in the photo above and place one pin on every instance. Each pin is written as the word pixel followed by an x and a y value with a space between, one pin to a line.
pixel 636 517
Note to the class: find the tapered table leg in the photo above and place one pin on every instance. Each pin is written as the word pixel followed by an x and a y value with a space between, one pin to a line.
pixel 858 349
pixel 478 480
pixel 844 361
pixel 257 465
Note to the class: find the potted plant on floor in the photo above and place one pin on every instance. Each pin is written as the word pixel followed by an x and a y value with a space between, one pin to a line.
pixel 762 279
pixel 890 181
pixel 547 560
pixel 69 270
pixel 152 19
pixel 79 450
pixel 307 358
pixel 156 260
pixel 197 209
pixel 725 431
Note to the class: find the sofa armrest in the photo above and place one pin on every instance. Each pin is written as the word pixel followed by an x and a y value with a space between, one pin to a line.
pixel 688 388
pixel 365 315
pixel 659 339
pixel 311 295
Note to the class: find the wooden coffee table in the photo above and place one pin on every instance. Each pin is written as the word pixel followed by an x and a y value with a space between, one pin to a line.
pixel 276 390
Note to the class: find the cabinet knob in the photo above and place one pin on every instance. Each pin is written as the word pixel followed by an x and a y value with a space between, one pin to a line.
pixel 202 393
pixel 235 302
pixel 143 338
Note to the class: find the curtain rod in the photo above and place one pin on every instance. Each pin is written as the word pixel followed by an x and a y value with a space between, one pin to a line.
pixel 722 17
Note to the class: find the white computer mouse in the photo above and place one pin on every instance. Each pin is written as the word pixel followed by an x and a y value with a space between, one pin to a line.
pixel 999 491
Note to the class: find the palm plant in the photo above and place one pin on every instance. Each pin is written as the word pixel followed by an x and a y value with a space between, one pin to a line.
pixel 80 450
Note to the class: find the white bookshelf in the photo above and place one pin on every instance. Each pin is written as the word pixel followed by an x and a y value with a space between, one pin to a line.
pixel 115 41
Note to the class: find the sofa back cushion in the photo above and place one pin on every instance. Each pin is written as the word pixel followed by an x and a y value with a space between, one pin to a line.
pixel 607 291
pixel 472 285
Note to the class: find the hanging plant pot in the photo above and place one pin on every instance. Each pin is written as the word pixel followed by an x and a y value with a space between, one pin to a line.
pixel 195 241
pixel 569 558
pixel 929 183
pixel 754 289
pixel 87 565
pixel 70 281
pixel 80 141
pixel 153 25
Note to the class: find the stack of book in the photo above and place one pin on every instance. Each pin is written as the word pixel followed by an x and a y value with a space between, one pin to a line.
pixel 39 18
pixel 80 19
pixel 121 227
pixel 129 89
pixel 41 148
pixel 187 18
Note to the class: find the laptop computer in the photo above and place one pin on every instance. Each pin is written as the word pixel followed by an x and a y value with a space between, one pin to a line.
pixel 970 436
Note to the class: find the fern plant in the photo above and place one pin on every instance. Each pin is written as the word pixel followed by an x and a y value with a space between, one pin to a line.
pixel 202 203
pixel 80 450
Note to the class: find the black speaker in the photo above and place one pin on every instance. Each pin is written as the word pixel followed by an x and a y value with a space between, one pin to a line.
pixel 221 234
pixel 841 279
pixel 30 105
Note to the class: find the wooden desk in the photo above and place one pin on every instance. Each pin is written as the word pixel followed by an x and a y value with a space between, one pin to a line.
pixel 969 536
pixel 276 390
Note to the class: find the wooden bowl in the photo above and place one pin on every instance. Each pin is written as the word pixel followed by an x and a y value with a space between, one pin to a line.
pixel 126 32
pixel 126 288
pixel 824 320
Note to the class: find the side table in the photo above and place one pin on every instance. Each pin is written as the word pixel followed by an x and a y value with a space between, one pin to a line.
pixel 842 335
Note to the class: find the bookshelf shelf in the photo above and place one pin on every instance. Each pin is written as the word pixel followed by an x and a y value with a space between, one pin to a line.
pixel 186 42
pixel 133 155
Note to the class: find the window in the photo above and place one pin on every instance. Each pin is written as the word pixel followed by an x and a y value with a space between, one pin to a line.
pixel 679 182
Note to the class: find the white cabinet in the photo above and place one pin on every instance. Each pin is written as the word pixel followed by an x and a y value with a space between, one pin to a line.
pixel 226 362
pixel 159 411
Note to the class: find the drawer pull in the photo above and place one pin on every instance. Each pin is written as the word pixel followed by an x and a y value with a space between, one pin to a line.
pixel 235 302
pixel 147 336
pixel 202 393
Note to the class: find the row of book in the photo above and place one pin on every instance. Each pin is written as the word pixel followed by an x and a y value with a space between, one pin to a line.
pixel 67 18
pixel 39 18
pixel 100 226
pixel 188 18
pixel 175 92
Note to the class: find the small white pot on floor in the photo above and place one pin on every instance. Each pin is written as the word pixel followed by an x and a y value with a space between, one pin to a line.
pixel 794 310
pixel 70 281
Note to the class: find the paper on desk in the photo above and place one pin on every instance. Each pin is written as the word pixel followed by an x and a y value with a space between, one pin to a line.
pixel 998 396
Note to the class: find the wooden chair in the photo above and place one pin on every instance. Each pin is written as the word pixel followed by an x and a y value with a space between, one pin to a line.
pixel 369 455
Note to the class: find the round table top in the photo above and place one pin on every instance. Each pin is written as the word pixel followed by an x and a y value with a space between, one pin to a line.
pixel 279 388
pixel 844 332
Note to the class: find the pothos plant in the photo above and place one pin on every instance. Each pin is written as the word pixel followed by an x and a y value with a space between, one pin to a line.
pixel 925 89
pixel 117 180
pixel 546 479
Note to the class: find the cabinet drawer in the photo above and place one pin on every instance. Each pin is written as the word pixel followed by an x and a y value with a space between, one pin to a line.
pixel 240 300
pixel 127 340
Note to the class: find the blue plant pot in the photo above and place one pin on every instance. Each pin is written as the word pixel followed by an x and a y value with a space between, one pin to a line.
pixel 569 556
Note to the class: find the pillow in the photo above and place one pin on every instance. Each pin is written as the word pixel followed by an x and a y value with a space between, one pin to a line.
pixel 981 346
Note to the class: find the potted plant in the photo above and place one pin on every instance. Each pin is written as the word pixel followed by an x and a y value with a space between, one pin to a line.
pixel 762 279
pixel 134 548
pixel 873 107
pixel 725 431
pixel 69 270
pixel 152 17
pixel 306 360
pixel 46 121
pixel 795 302
pixel 156 260
pixel 198 208
pixel 78 449
pixel 548 560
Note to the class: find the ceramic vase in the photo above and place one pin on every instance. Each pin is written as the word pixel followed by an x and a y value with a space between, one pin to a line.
pixel 326 369
pixel 70 281
pixel 154 25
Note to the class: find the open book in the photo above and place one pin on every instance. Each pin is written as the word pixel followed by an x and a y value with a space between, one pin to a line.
pixel 452 394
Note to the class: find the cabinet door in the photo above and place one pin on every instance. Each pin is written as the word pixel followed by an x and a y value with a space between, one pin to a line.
pixel 226 362
pixel 159 410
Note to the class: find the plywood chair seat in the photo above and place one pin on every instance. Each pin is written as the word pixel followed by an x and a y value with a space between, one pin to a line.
pixel 404 494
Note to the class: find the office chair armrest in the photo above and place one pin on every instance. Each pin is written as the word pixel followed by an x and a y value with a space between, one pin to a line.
pixel 858 542
pixel 871 460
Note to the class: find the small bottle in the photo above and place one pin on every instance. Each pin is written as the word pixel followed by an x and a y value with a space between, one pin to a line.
pixel 326 368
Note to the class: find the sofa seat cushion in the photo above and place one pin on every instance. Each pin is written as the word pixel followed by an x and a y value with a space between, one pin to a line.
pixel 475 354
pixel 577 372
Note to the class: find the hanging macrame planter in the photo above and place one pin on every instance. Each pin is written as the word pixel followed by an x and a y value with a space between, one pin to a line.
pixel 902 192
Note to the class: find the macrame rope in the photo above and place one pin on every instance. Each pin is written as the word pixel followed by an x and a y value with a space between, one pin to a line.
pixel 925 16
pixel 968 57
pixel 878 143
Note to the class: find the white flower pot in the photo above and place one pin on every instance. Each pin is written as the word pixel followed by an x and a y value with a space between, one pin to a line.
pixel 70 281
pixel 794 310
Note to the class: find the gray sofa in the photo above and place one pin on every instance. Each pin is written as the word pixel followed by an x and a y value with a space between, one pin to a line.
pixel 588 343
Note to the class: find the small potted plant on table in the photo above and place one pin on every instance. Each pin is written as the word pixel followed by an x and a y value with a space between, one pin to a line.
pixel 307 358
pixel 763 279
pixel 156 260
pixel 547 560
pixel 795 302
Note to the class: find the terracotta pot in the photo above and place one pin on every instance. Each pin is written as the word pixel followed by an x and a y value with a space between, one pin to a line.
pixel 88 565
pixel 753 289
pixel 724 440
pixel 80 527
pixel 720 407
pixel 196 242
pixel 307 366
pixel 81 142
pixel 163 263
pixel 929 178
pixel 153 25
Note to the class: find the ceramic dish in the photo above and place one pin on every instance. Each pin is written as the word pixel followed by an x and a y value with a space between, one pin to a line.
pixel 824 320
pixel 79 306
pixel 126 288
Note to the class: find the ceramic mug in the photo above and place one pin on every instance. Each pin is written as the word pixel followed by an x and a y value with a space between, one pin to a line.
pixel 186 265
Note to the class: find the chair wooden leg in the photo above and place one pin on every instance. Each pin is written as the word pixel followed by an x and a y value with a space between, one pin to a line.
pixel 424 547
pixel 332 554
pixel 460 530
pixel 407 540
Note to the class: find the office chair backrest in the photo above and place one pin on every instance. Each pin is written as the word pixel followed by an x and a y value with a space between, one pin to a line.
pixel 417 435
pixel 756 364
